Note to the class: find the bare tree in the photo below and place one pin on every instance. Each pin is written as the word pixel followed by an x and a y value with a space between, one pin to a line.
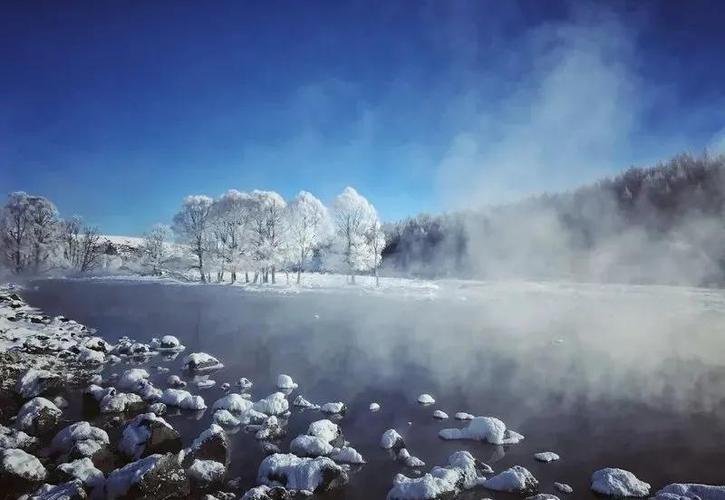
pixel 191 224
pixel 44 229
pixel 16 224
pixel 89 249
pixel 155 246
pixel 70 236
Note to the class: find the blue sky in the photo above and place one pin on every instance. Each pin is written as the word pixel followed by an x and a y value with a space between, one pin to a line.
pixel 116 110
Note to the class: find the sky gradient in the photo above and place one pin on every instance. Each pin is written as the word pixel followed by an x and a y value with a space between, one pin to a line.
pixel 117 110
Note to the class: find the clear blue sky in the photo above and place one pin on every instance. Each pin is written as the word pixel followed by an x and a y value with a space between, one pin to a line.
pixel 116 110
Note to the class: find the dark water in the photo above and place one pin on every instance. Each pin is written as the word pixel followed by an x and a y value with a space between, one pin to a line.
pixel 632 379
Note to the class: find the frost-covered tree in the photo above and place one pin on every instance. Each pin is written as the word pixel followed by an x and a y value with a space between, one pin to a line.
pixel 191 224
pixel 308 225
pixel 354 215
pixel 231 215
pixel 156 247
pixel 267 232
pixel 44 225
pixel 16 224
pixel 70 230
pixel 376 242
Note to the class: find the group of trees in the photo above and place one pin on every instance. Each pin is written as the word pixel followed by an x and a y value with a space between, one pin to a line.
pixel 34 239
pixel 262 233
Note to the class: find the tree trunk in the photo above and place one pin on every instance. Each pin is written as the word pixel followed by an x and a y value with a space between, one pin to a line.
pixel 377 278
pixel 246 276
pixel 299 274
pixel 256 276
pixel 352 278
pixel 273 276
pixel 287 274
pixel 234 276
pixel 201 267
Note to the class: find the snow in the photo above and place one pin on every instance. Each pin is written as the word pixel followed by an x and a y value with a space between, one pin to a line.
pixel 274 404
pixel 270 429
pixel 22 464
pixel 324 429
pixel 687 491
pixel 175 382
pixel 618 482
pixel 226 419
pixel 137 433
pixel 347 455
pixel 286 382
pixel 489 429
pixel 90 356
pixel 30 411
pixel 310 446
pixel 201 362
pixel 564 488
pixel 297 473
pixel 464 416
pixel 169 343
pixel 234 403
pixel 426 399
pixel 204 383
pixel 390 439
pixel 13 438
pixel 409 460
pixel 440 482
pixel 546 456
pixel 34 382
pixel 118 402
pixel 514 479
pixel 130 378
pixel 301 402
pixel 333 408
pixel 121 480
pixel 374 406
pixel 86 439
pixel 207 471
pixel 179 398
pixel 84 470
pixel 244 384
pixel 440 415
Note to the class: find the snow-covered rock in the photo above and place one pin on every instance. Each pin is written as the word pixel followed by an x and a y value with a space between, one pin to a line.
pixel 690 491
pixel 36 382
pixel 264 492
pixel 274 404
pixel 148 434
pixel 19 466
pixel 226 419
pixel 234 403
pixel 179 398
pixel 13 438
pixel 201 362
pixel 515 479
pixel 306 474
pixel 347 455
pixel 374 406
pixel 442 482
pixel 38 416
pixel 426 399
pixel 212 444
pixel 489 429
pixel 80 439
pixel 90 356
pixel 310 446
pixel 462 415
pixel 175 382
pixel 225 386
pixel 409 460
pixel 325 429
pixel 440 415
pixel 270 429
pixel 72 490
pixel 333 408
pixel 546 456
pixel 158 408
pixel 543 496
pixel 97 344
pixel 301 402
pixel 83 470
pixel 244 384
pixel 156 476
pixel 618 483
pixel 285 382
pixel 119 402
pixel 391 440
pixel 207 472
pixel 130 378
pixel 168 343
pixel 564 488
pixel 204 383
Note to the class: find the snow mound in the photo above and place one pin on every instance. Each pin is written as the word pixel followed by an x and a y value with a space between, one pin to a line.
pixel 167 343
pixel 391 440
pixel 244 384
pixel 324 429
pixel 145 431
pixel 286 382
pixel 426 399
pixel 618 482
pixel 334 408
pixel 35 382
pixel 84 471
pixel 179 398
pixel 515 479
pixel 20 464
pixel 347 455
pixel 233 403
pixel 374 406
pixel 274 404
pixel 226 419
pixel 306 474
pixel 301 402
pixel 90 356
pixel 409 460
pixel 201 362
pixel 546 456
pixel 689 491
pixel 175 382
pixel 489 429
pixel 81 438
pixel 310 446
pixel 440 415
pixel 461 415
pixel 38 416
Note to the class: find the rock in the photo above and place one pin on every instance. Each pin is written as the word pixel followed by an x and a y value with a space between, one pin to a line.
pixel 175 382
pixel 426 399
pixel 201 362
pixel 206 472
pixel 212 444
pixel 226 419
pixel 543 496
pixel 225 386
pixel 119 402
pixel 619 483
pixel 169 343
pixel 19 470
pixel 347 455
pixel 156 476
pixel 546 456
pixel 374 407
pixel 72 490
pixel 309 474
pixel 97 344
pixel 13 438
pixel 286 382
pixel 148 434
pixel 83 470
pixel 310 446
pixel 270 429
pixel 440 415
pixel 391 440
pixel 158 408
pixel 461 473
pixel 409 460
pixel 301 402
pixel 36 382
pixel 244 384
pixel 182 399
pixel 689 491
pixel 274 404
pixel 516 479
pixel 38 416
pixel 327 430
pixel 334 408
pixel 463 416
pixel 489 429
pixel 90 357
pixel 130 378
pixel 564 488
pixel 234 403
pixel 266 493
pixel 79 440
